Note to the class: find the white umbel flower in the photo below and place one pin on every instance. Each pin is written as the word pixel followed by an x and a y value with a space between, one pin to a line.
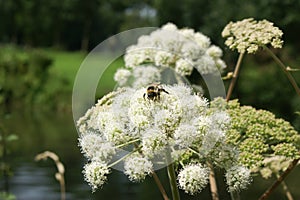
pixel 164 114
pixel 122 76
pixel 154 142
pixel 178 123
pixel 184 67
pixel 202 40
pixel 220 120
pixel 214 51
pixel 145 75
pixel 238 178
pixel 95 147
pixel 169 27
pixel 248 35
pixel 206 64
pixel 134 59
pixel 186 135
pixel 137 168
pixel 164 58
pixel 138 77
pixel 169 46
pixel 95 174
pixel 193 178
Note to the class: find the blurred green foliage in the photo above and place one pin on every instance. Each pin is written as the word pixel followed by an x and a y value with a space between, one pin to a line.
pixel 77 24
pixel 24 76
pixel 71 24
pixel 211 16
pixel 5 166
pixel 7 196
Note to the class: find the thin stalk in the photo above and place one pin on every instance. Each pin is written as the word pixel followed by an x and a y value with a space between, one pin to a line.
pixel 127 143
pixel 194 151
pixel 267 193
pixel 234 76
pixel 235 196
pixel 117 161
pixel 172 178
pixel 284 68
pixel 286 189
pixel 160 186
pixel 156 178
pixel 213 183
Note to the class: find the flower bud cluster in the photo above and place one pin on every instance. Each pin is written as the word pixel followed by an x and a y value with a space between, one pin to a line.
pixel 248 35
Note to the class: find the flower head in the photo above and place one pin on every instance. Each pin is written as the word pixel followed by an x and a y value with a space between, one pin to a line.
pixel 179 123
pixel 154 142
pixel 95 147
pixel 248 35
pixel 170 47
pixel 237 178
pixel 186 135
pixel 183 67
pixel 193 178
pixel 145 75
pixel 95 174
pixel 274 164
pixel 137 167
pixel 122 76
pixel 264 135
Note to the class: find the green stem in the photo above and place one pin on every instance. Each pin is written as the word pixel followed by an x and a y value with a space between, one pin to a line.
pixel 172 177
pixel 283 67
pixel 194 151
pixel 117 161
pixel 235 196
pixel 127 143
pixel 234 76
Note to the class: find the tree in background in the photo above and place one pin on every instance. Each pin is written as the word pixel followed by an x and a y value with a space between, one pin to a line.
pixel 76 24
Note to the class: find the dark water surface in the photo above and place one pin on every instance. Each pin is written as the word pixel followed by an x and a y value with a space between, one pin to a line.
pixel 40 131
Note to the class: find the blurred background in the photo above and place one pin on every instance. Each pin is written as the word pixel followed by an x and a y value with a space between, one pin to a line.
pixel 42 44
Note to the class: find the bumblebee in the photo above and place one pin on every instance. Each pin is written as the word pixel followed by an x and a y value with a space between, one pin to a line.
pixel 153 92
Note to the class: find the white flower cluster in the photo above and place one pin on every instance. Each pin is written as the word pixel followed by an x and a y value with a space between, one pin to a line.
pixel 140 76
pixel 178 124
pixel 248 35
pixel 137 167
pixel 193 178
pixel 238 178
pixel 170 47
pixel 95 147
pixel 95 174
pixel 274 165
